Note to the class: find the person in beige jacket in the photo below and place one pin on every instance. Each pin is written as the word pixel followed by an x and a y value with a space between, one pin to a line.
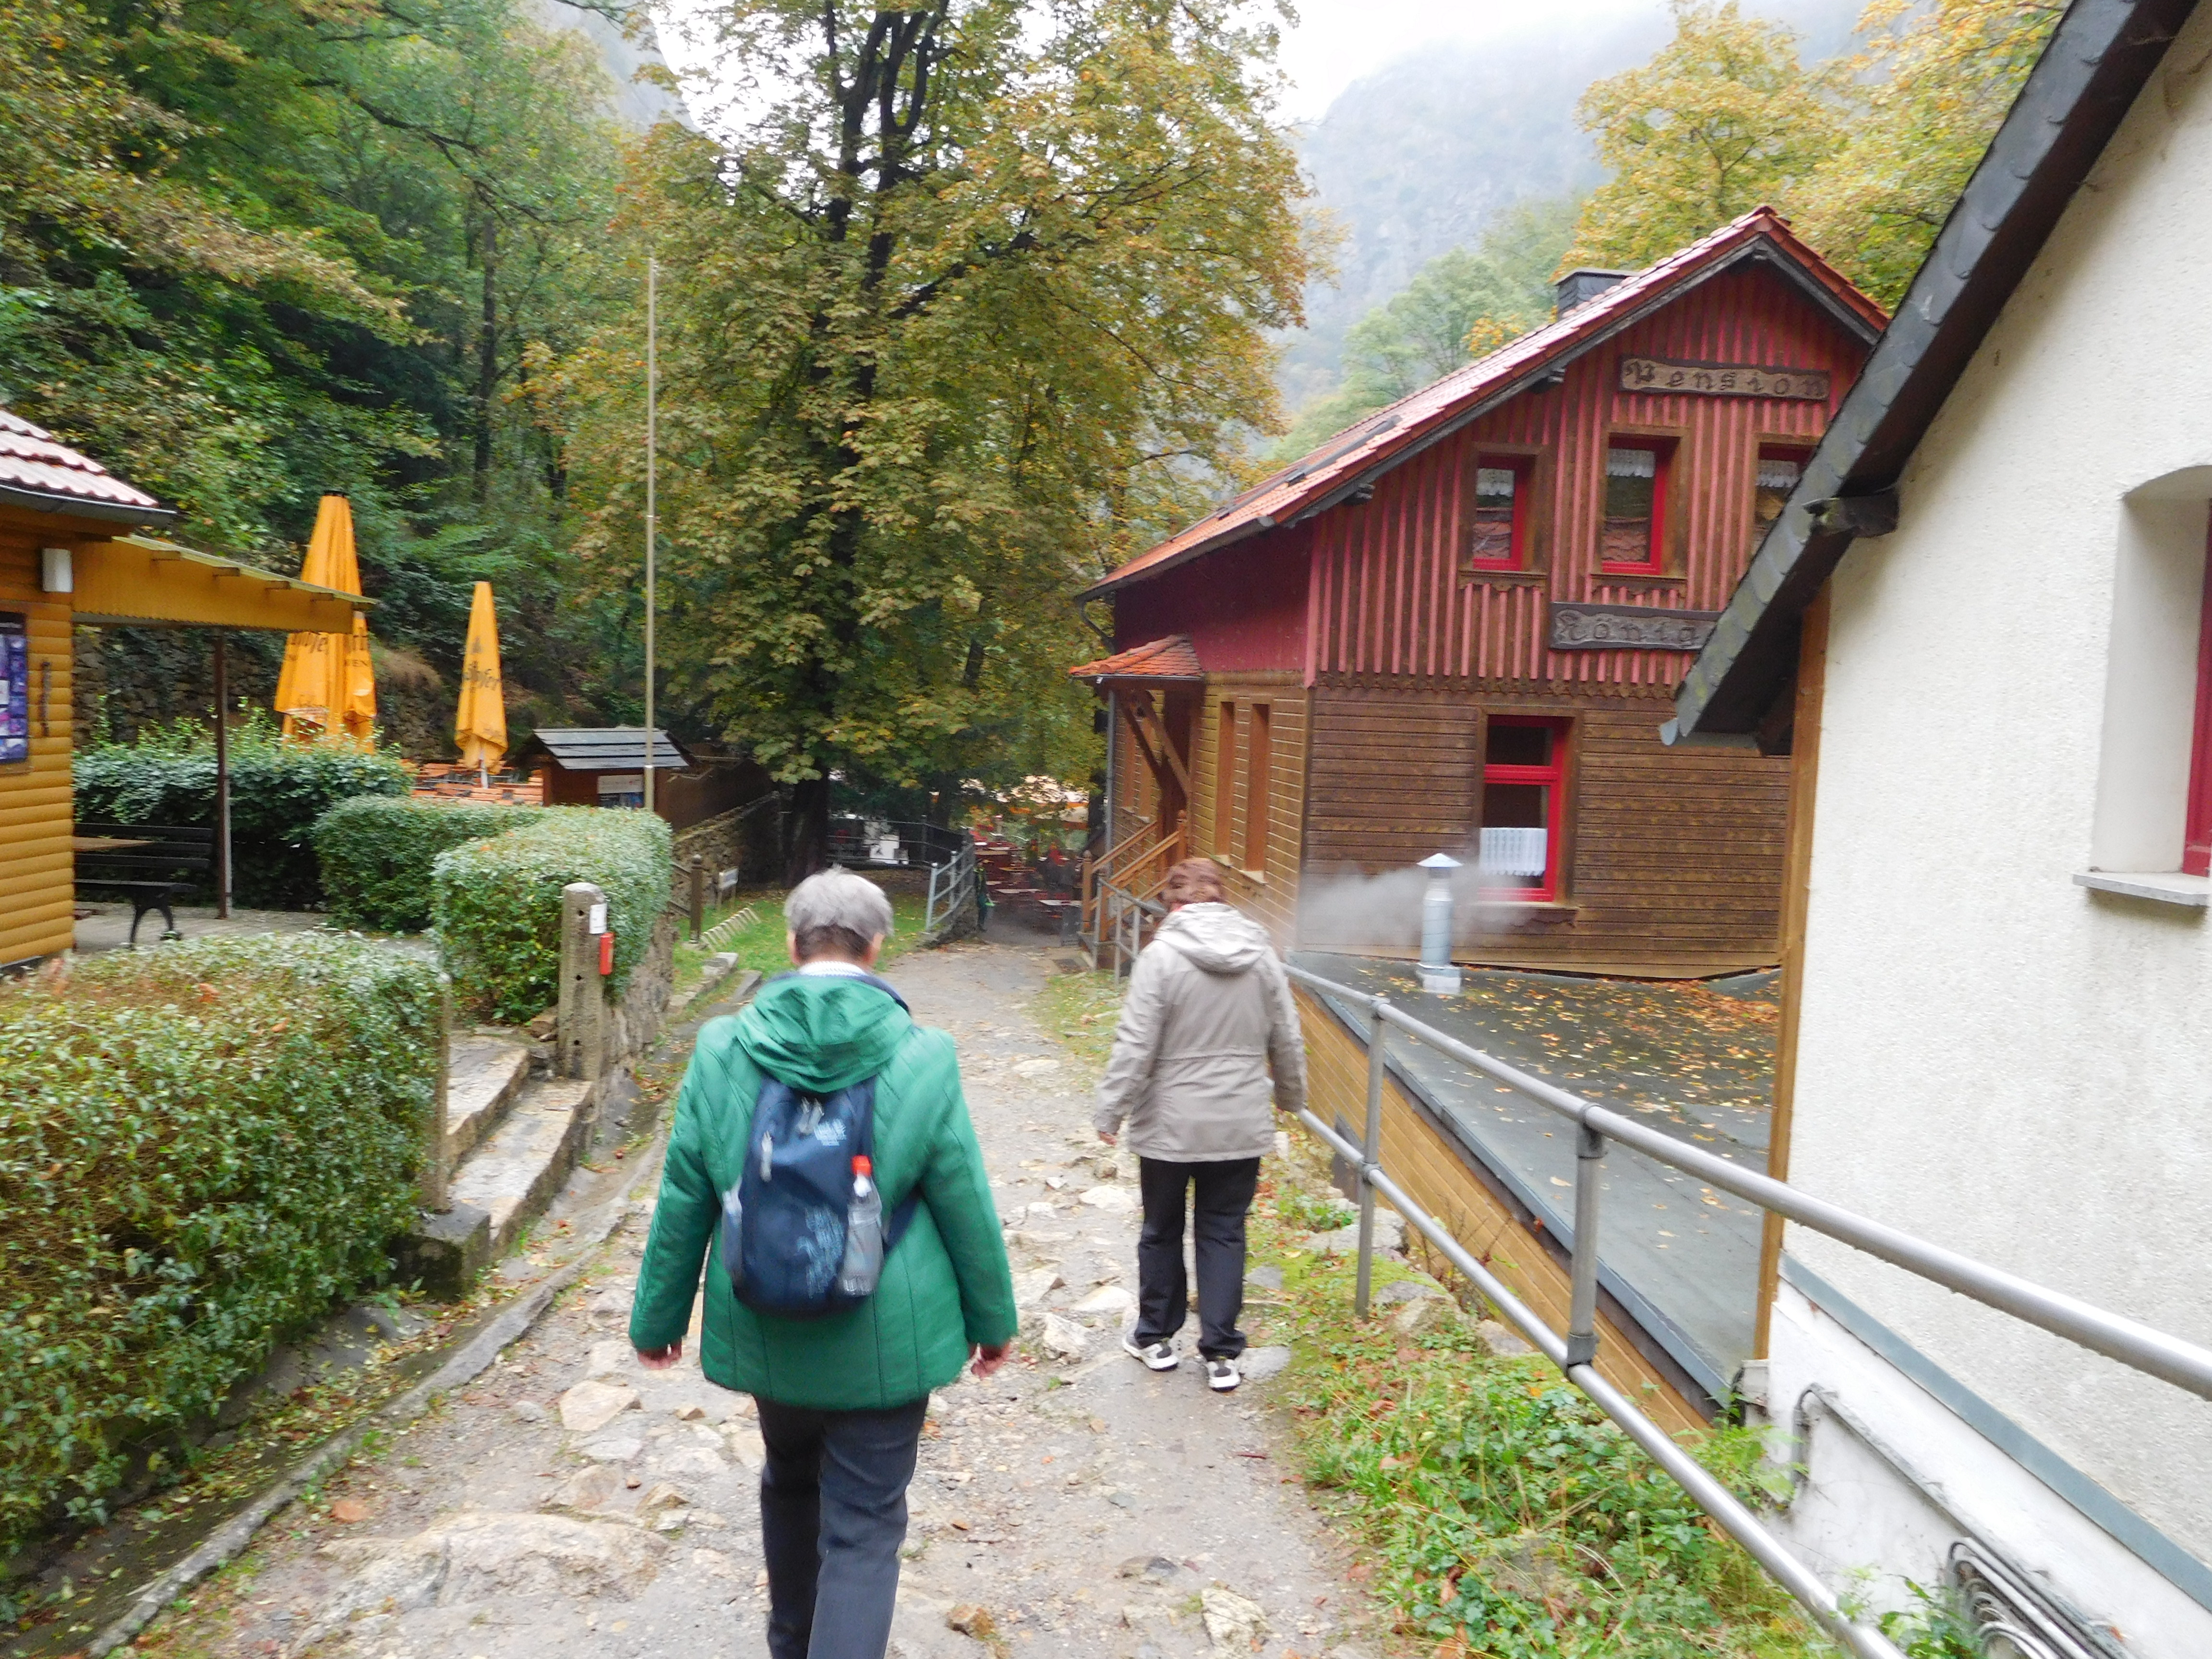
pixel 1208 1040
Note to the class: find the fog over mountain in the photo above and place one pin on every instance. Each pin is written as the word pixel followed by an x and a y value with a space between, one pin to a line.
pixel 636 103
pixel 1419 157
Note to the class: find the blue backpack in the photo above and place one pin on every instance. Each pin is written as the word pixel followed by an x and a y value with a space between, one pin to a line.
pixel 802 1233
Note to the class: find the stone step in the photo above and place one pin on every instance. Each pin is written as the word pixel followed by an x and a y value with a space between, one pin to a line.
pixel 515 1173
pixel 483 1078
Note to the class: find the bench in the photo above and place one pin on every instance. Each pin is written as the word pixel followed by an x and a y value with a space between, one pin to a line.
pixel 166 862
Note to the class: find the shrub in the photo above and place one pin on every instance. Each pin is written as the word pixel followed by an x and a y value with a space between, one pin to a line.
pixel 377 851
pixel 498 902
pixel 278 789
pixel 201 1148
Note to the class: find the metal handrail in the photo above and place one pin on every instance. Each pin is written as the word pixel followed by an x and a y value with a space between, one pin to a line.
pixel 2135 1344
pixel 955 894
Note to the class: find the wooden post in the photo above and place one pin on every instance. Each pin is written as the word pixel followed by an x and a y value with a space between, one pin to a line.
pixel 580 1040
pixel 222 777
pixel 698 895
pixel 434 1154
pixel 1796 896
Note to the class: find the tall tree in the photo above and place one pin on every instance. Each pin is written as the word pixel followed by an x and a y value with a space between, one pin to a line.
pixel 1464 304
pixel 961 311
pixel 1724 119
pixel 252 249
pixel 1924 99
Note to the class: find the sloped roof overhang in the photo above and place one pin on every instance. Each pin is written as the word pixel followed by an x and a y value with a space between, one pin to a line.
pixel 602 748
pixel 1169 661
pixel 142 581
pixel 1352 460
pixel 2097 62
pixel 39 473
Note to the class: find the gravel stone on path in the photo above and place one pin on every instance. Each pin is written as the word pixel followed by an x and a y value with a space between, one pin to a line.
pixel 623 1522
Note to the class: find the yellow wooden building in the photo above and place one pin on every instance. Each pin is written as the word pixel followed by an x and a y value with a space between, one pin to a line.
pixel 74 549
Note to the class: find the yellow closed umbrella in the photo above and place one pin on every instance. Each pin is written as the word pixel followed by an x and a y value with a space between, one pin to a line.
pixel 328 683
pixel 480 722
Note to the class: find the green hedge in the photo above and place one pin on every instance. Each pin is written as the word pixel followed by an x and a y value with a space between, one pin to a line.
pixel 278 789
pixel 377 852
pixel 201 1147
pixel 498 903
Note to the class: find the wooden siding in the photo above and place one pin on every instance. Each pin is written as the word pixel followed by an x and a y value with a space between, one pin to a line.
pixel 1673 857
pixel 37 868
pixel 1273 895
pixel 1387 596
pixel 1434 1170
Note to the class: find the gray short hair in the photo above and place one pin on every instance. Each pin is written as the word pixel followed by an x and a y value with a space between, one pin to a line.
pixel 836 910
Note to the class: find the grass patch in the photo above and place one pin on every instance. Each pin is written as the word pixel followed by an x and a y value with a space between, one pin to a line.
pixel 1502 1515
pixel 759 944
pixel 1079 1010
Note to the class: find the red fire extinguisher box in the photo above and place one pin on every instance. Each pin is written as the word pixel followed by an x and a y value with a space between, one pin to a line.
pixel 607 951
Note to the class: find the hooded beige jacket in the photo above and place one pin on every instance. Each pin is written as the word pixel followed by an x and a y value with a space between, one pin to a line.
pixel 1208 1013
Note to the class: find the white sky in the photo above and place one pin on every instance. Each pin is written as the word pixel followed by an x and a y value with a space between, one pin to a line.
pixel 1335 42
pixel 1338 41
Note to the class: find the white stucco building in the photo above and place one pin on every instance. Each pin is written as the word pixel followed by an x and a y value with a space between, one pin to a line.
pixel 1998 1018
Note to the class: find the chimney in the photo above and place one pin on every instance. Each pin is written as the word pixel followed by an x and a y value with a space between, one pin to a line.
pixel 1586 284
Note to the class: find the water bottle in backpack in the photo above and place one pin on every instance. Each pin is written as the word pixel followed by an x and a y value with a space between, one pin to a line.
pixel 863 1234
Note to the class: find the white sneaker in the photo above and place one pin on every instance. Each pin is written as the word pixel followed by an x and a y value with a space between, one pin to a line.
pixel 1159 1357
pixel 1222 1374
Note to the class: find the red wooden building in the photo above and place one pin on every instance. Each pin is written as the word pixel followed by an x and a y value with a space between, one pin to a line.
pixel 1458 624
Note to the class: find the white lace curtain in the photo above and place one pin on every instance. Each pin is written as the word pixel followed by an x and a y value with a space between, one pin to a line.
pixel 1515 851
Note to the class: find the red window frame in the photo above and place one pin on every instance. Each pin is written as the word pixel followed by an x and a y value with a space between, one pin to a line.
pixel 1662 451
pixel 1553 777
pixel 1523 468
pixel 2196 834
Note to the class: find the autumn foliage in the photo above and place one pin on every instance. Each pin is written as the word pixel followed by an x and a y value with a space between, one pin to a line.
pixel 1866 153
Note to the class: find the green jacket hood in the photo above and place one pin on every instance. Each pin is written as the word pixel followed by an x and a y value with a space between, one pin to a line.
pixel 821 1032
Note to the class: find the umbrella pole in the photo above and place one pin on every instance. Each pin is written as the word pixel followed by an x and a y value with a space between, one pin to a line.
pixel 221 776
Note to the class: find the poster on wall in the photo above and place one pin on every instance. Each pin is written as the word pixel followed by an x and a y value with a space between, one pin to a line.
pixel 14 687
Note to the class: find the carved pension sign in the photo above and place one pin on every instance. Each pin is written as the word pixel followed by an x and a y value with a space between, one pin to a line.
pixel 1723 380
pixel 1629 627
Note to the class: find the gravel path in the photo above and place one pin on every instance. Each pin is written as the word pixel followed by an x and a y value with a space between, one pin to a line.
pixel 572 1505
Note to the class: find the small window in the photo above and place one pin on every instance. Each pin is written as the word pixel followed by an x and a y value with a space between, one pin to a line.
pixel 1635 508
pixel 1778 472
pixel 1498 540
pixel 1523 774
pixel 1224 781
pixel 1256 790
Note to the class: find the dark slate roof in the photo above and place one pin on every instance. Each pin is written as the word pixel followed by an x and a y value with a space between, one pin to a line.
pixel 47 477
pixel 1173 658
pixel 602 748
pixel 2098 61
pixel 1368 447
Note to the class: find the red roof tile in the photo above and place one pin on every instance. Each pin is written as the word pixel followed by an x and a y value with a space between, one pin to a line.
pixel 1171 658
pixel 1299 489
pixel 31 461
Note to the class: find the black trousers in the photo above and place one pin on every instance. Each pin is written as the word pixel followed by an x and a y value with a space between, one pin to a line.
pixel 833 1517
pixel 1223 1194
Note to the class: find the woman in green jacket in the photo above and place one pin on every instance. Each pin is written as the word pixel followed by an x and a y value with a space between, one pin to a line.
pixel 842 1397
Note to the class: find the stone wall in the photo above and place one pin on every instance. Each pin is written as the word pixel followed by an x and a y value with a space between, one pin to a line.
pixel 743 839
pixel 635 1018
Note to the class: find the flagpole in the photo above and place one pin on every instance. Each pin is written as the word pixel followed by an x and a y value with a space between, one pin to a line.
pixel 652 342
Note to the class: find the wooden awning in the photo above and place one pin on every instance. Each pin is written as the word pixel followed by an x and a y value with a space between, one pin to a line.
pixel 1169 661
pixel 142 581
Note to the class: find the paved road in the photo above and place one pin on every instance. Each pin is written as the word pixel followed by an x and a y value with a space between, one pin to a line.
pixel 1091 1507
